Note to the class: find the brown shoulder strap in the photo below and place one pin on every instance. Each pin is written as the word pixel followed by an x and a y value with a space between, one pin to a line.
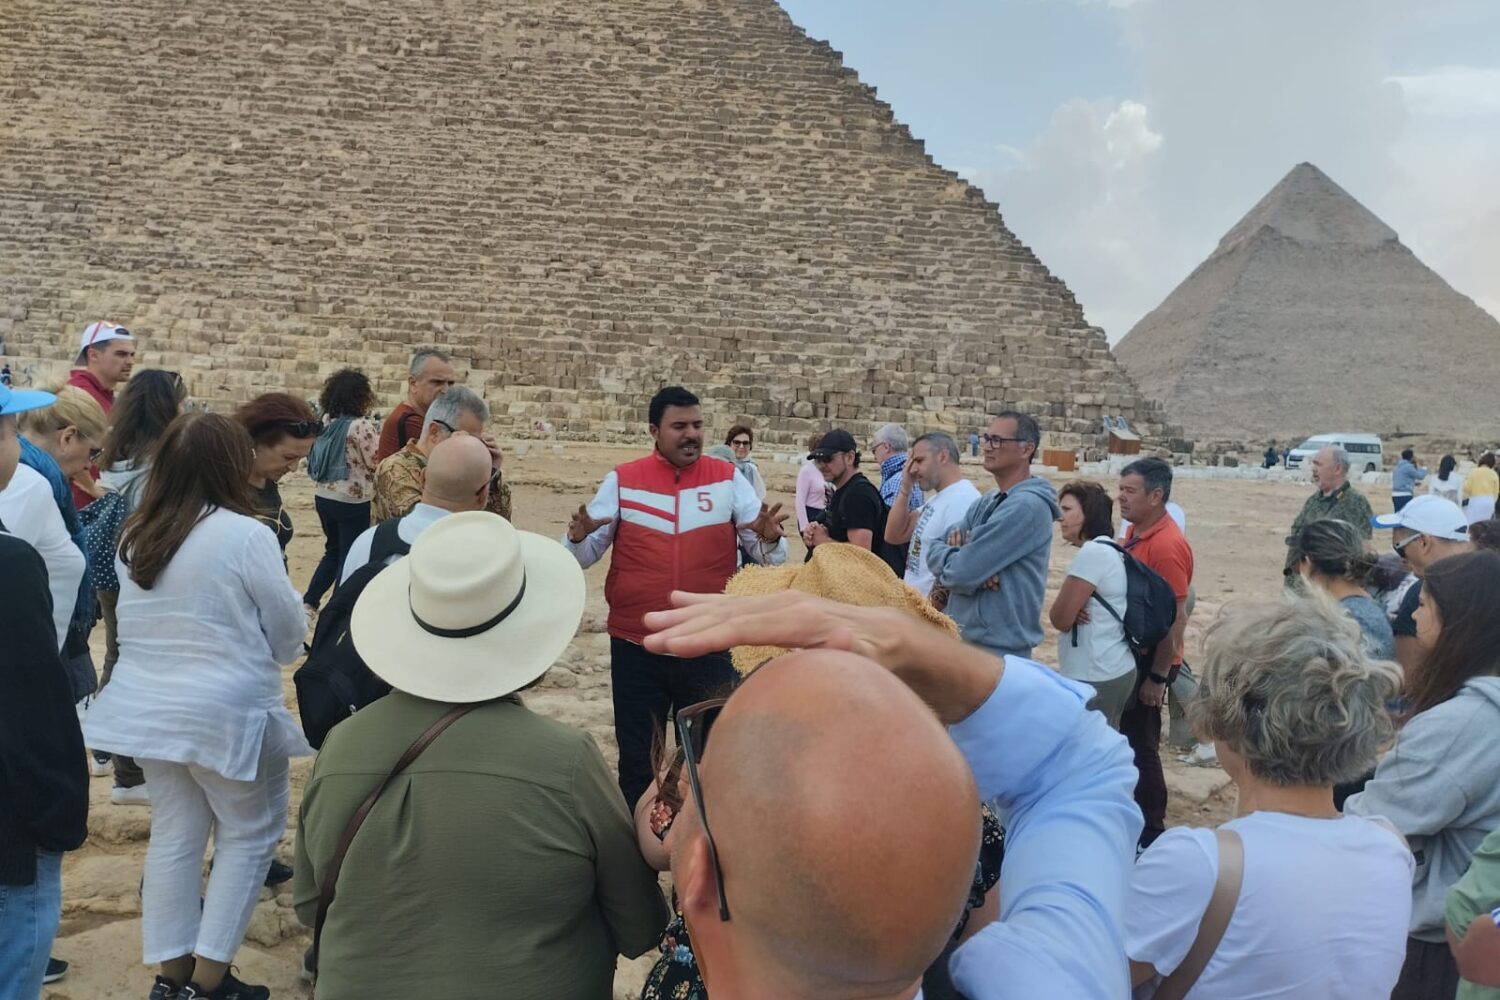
pixel 1215 919
pixel 331 876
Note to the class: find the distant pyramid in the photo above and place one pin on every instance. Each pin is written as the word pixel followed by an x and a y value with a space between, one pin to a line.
pixel 1312 316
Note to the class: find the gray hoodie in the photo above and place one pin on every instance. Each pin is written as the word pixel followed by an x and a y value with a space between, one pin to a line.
pixel 1440 786
pixel 1010 535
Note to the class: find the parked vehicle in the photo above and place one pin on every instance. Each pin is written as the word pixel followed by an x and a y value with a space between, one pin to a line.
pixel 1366 452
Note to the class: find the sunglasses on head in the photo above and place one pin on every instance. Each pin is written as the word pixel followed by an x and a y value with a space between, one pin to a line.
pixel 693 726
pixel 301 428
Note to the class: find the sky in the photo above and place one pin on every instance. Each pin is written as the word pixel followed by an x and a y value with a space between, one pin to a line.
pixel 1122 138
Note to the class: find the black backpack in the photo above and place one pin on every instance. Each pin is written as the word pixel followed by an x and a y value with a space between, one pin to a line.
pixel 333 682
pixel 1150 607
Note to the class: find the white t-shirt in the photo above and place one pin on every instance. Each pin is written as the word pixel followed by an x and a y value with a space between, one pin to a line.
pixel 30 513
pixel 1447 489
pixel 1322 913
pixel 940 514
pixel 1102 654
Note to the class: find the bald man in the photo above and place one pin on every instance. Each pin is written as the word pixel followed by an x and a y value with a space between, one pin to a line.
pixel 833 889
pixel 832 892
pixel 458 476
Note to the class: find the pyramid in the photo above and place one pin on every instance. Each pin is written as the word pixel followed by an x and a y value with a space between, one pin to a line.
pixel 583 200
pixel 1311 316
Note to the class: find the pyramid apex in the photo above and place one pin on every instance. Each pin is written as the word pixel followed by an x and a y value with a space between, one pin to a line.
pixel 1306 206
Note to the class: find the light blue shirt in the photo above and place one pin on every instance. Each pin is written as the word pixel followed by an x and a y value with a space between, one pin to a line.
pixel 1405 476
pixel 1064 785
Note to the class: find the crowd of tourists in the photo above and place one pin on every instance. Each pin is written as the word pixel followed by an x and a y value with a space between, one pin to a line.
pixel 899 801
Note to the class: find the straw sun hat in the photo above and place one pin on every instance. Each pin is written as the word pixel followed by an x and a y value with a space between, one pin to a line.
pixel 840 572
pixel 476 611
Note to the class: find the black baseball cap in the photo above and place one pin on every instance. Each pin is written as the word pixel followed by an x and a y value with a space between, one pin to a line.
pixel 835 442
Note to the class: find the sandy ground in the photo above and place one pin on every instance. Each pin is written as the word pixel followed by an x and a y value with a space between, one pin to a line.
pixel 1235 527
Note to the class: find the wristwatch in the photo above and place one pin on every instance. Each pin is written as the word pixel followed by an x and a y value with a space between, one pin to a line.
pixel 1158 678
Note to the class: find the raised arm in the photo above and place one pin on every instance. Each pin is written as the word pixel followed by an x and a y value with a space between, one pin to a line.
pixel 901 522
pixel 596 529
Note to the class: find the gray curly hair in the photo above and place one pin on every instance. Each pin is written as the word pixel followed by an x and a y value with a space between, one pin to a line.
pixel 1288 686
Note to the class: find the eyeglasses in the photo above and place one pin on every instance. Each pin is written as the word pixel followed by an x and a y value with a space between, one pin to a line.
pixel 445 425
pixel 740 443
pixel 1400 547
pixel 996 440
pixel 490 483
pixel 94 455
pixel 693 726
pixel 822 459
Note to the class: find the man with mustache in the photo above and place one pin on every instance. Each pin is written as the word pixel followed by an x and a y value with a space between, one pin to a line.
pixel 676 519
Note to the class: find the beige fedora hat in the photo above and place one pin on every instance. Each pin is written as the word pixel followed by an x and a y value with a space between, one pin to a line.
pixel 476 611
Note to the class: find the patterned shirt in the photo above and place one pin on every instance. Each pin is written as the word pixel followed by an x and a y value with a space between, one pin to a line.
pixel 359 455
pixel 890 482
pixel 398 487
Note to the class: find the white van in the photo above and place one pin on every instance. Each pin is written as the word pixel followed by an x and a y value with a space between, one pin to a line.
pixel 1366 453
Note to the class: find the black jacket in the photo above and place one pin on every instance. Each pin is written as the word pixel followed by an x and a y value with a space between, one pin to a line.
pixel 44 790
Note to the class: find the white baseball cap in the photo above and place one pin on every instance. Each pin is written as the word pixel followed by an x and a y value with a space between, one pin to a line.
pixel 99 332
pixel 1432 516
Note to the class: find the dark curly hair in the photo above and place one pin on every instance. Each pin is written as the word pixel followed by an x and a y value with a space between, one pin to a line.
pixel 347 393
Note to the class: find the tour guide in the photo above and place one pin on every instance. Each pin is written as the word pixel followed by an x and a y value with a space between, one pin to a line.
pixel 677 520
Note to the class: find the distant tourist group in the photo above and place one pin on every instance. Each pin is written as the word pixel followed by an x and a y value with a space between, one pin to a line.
pixel 899 801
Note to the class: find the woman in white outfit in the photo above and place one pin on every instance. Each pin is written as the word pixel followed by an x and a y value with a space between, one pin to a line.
pixel 206 613
pixel 1294 705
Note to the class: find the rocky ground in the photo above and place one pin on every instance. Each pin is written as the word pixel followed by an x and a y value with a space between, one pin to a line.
pixel 1235 527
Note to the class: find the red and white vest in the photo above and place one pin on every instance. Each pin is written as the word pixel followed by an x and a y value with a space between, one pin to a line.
pixel 676 532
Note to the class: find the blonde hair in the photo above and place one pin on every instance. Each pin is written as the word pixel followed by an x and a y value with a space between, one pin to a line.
pixel 74 408
pixel 1288 686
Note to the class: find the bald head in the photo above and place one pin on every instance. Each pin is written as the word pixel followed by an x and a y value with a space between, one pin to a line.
pixel 456 474
pixel 836 885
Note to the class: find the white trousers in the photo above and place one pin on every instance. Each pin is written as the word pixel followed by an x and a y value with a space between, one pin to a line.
pixel 1480 509
pixel 247 819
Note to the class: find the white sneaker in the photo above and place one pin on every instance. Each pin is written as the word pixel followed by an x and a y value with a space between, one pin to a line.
pixel 100 768
pixel 137 796
pixel 1202 755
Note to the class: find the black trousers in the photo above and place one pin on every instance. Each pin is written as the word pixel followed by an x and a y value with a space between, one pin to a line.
pixel 342 524
pixel 647 689
pixel 1141 725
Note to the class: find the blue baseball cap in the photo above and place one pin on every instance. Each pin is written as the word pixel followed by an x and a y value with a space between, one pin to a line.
pixel 20 400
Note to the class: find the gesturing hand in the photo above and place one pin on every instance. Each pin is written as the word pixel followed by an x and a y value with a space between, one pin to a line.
pixel 581 526
pixel 770 525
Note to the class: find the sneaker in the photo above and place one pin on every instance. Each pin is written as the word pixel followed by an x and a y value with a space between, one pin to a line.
pixel 56 969
pixel 139 795
pixel 164 989
pixel 230 989
pixel 101 764
pixel 277 874
pixel 1202 755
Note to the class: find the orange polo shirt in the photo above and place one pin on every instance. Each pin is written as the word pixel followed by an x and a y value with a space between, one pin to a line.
pixel 1165 549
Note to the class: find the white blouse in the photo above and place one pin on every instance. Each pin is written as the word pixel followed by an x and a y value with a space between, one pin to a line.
pixel 197 680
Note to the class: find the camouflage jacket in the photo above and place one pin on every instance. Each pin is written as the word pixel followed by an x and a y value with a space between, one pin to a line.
pixel 1344 504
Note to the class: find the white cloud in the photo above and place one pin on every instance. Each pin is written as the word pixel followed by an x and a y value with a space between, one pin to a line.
pixel 1452 92
pixel 1123 198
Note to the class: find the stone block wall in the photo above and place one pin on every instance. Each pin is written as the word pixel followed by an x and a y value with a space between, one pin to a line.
pixel 583 200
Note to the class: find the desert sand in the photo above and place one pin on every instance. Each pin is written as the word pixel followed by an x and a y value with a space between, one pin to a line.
pixel 1236 529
